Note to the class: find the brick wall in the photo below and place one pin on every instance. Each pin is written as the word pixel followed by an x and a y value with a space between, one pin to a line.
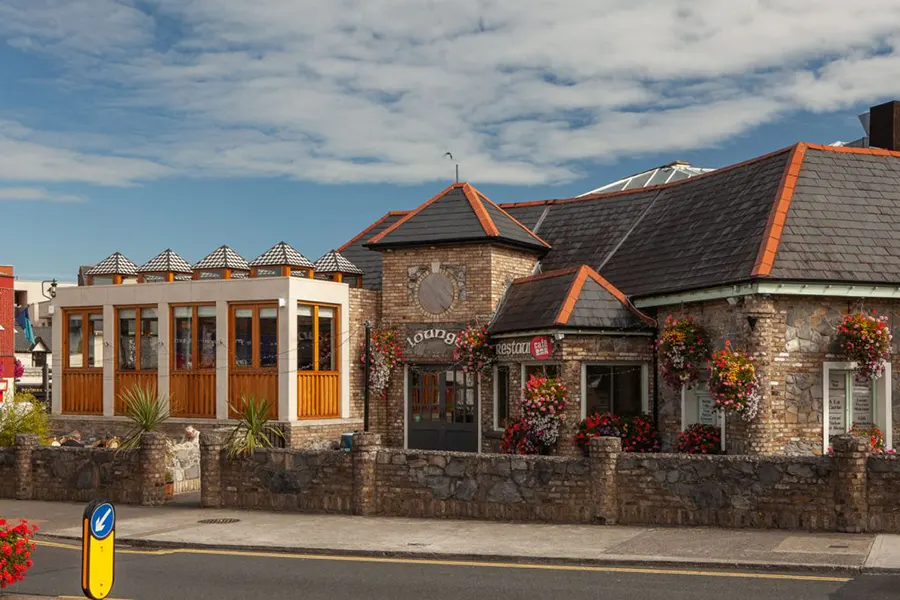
pixel 301 435
pixel 65 474
pixel 364 304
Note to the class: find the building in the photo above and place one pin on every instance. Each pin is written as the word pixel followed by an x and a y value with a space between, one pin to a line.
pixel 33 356
pixel 767 254
pixel 7 333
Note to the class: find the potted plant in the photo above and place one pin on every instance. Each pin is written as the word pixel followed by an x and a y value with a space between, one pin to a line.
pixel 638 433
pixel 170 484
pixel 543 403
pixel 253 430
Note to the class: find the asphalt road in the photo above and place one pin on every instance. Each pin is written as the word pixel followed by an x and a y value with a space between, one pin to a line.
pixel 196 575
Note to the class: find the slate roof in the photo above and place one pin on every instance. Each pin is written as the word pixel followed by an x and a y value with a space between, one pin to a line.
pixel 42 334
pixel 459 214
pixel 334 262
pixel 223 257
pixel 114 264
pixel 281 254
pixel 369 261
pixel 166 261
pixel 567 298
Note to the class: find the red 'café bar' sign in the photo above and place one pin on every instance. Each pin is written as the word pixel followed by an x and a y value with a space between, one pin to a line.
pixel 539 348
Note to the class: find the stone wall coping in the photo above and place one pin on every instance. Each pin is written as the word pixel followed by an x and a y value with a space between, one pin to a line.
pixel 482 455
pixel 734 458
pixel 263 452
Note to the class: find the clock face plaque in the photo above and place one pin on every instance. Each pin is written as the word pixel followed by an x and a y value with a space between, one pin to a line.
pixel 436 293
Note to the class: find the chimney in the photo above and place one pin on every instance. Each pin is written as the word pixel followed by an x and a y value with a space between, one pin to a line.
pixel 884 126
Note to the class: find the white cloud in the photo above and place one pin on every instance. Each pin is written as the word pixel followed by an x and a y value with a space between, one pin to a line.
pixel 521 91
pixel 35 194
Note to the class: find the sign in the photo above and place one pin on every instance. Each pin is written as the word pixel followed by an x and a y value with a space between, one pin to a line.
pixel 706 414
pixel 541 347
pixel 98 549
pixel 513 348
pixel 430 341
pixel 862 405
pixel 837 402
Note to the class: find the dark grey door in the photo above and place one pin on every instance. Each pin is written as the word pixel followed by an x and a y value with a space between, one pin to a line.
pixel 442 408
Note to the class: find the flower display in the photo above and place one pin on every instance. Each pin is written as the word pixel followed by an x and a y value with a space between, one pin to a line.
pixel 473 351
pixel 16 546
pixel 386 353
pixel 18 369
pixel 638 433
pixel 543 403
pixel 699 439
pixel 870 432
pixel 865 340
pixel 683 349
pixel 733 382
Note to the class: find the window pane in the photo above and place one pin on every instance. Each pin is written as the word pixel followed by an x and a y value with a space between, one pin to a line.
pixel 38 359
pixel 304 310
pixel 206 337
pixel 304 339
pixel 300 273
pixel 326 340
pixel 268 337
pixel 627 391
pixel 502 397
pixel 75 332
pixel 95 340
pixel 862 403
pixel 102 280
pixel 243 337
pixel 149 339
pixel 598 389
pixel 551 371
pixel 183 339
pixel 127 340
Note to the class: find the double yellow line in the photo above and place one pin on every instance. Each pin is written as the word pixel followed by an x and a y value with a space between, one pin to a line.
pixel 465 563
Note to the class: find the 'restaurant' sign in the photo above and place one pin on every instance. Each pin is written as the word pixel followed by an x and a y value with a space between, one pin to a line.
pixel 538 348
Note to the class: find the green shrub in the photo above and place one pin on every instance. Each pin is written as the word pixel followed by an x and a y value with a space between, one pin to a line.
pixel 22 414
pixel 253 430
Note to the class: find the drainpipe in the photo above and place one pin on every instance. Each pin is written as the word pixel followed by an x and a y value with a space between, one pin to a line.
pixel 655 386
pixel 366 379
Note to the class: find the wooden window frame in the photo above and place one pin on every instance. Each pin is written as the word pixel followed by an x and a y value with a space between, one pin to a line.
pixel 335 342
pixel 645 383
pixel 254 327
pixel 496 420
pixel 84 312
pixel 137 350
pixel 195 342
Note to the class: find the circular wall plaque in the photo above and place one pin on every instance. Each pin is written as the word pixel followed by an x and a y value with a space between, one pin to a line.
pixel 436 293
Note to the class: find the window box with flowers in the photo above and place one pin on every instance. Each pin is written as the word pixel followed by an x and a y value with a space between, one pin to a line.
pixel 733 382
pixel 544 401
pixel 473 352
pixel 385 354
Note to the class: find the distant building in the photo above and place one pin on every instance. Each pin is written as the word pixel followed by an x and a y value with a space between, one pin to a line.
pixel 669 173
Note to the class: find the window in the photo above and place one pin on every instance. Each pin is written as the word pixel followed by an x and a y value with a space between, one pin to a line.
pixel 304 273
pixel 849 402
pixel 194 337
pixel 97 280
pixel 353 281
pixel 541 370
pixel 618 389
pixel 268 271
pixel 84 344
pixel 317 338
pixel 138 339
pixel 501 397
pixel 254 336
pixel 38 359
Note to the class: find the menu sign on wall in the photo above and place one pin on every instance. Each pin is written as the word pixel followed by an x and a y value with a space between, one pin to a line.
pixel 706 414
pixel 837 402
pixel 862 405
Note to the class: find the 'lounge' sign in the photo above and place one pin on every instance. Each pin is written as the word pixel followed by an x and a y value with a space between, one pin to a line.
pixel 447 337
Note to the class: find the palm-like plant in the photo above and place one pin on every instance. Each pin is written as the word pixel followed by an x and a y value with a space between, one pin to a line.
pixel 146 408
pixel 253 430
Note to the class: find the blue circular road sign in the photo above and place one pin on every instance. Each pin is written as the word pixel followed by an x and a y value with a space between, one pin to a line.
pixel 102 520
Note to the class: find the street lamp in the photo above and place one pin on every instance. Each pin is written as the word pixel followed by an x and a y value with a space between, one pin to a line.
pixel 49 293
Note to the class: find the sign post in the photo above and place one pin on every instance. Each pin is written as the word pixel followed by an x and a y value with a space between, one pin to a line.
pixel 98 549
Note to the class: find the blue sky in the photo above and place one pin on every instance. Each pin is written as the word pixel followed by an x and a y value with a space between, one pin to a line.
pixel 136 125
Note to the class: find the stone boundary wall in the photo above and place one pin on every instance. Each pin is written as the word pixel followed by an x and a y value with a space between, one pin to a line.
pixel 66 474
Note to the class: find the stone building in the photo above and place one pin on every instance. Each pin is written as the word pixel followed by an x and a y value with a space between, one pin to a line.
pixel 767 254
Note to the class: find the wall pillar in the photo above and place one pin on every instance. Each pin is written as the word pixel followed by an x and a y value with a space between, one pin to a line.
pixel 211 446
pixel 162 354
pixel 24 447
pixel 152 463
pixel 851 502
pixel 222 366
pixel 365 454
pixel 109 359
pixel 766 335
pixel 604 458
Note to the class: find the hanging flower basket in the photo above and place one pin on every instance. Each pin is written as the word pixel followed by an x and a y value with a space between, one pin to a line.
pixel 733 382
pixel 865 340
pixel 683 349
pixel 543 403
pixel 473 351
pixel 699 439
pixel 638 433
pixel 386 353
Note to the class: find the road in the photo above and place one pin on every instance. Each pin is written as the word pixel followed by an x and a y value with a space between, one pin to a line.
pixel 223 575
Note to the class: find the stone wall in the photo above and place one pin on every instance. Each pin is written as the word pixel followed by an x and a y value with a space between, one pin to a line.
pixel 66 474
pixel 883 490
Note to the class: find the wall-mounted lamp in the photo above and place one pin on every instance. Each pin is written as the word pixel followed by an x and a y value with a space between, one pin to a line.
pixel 49 292
pixel 559 335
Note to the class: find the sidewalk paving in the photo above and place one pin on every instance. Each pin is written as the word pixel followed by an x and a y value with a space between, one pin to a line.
pixel 179 526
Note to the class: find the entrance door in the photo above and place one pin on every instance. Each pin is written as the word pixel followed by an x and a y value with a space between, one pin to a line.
pixel 443 409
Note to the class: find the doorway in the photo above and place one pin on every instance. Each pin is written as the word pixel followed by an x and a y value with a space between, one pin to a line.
pixel 443 410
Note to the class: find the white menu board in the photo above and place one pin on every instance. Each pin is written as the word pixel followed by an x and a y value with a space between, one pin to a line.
pixel 862 404
pixel 837 402
pixel 705 413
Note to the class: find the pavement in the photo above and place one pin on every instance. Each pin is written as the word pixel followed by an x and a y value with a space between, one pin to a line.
pixel 185 525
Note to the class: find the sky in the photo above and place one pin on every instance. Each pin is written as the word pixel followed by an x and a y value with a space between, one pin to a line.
pixel 139 125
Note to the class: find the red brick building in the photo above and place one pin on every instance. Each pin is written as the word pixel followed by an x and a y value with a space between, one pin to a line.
pixel 7 328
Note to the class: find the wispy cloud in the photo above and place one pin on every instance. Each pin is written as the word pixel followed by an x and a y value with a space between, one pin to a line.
pixel 35 194
pixel 521 91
